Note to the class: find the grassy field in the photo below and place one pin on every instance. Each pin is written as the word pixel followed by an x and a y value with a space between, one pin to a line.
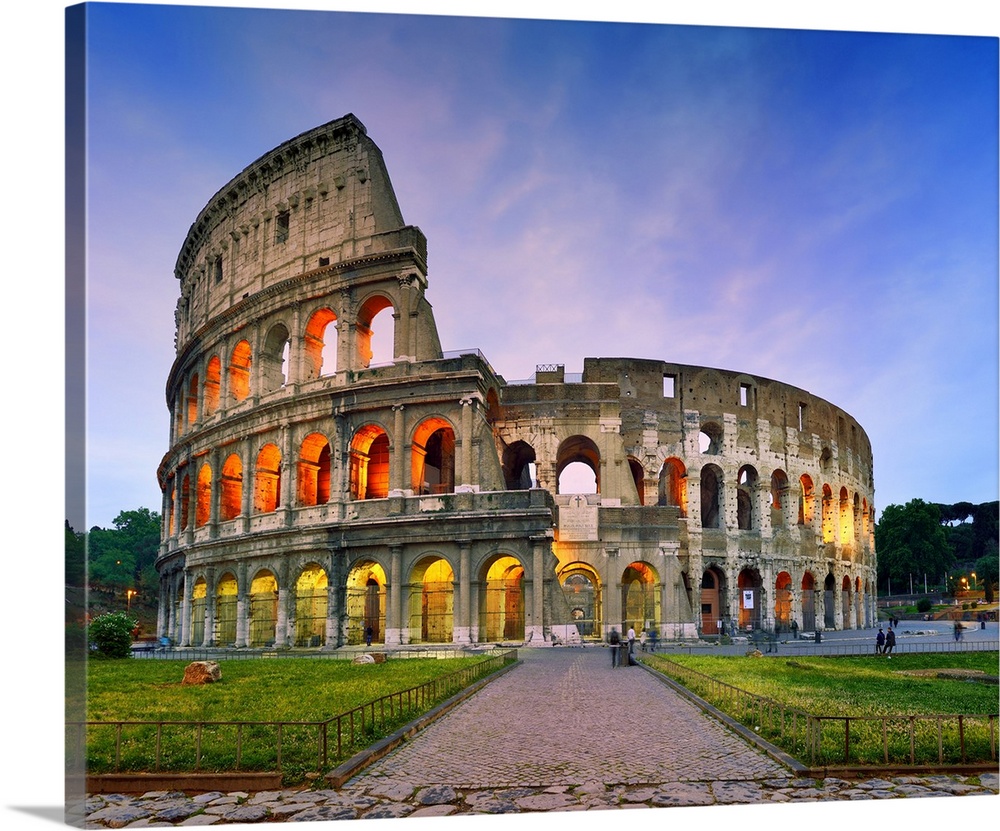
pixel 198 725
pixel 854 710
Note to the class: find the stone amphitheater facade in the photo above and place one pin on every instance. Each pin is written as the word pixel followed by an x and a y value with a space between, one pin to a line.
pixel 313 498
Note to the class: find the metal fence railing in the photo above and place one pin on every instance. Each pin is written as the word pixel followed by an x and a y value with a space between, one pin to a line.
pixel 282 746
pixel 821 740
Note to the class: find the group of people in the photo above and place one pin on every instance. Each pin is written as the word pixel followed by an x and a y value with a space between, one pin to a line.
pixel 885 641
pixel 628 658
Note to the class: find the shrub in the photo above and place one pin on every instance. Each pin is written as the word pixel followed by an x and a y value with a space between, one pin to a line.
pixel 924 604
pixel 111 634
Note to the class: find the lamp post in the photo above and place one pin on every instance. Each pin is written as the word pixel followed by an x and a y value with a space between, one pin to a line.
pixel 973 581
pixel 129 594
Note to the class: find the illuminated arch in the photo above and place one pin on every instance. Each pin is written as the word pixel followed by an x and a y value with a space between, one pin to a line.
pixel 640 598
pixel 845 601
pixel 829 532
pixel 578 451
pixel 192 401
pixel 432 601
pixel 366 602
pixel 638 478
pixel 203 496
pixel 212 386
pixel 274 358
pixel 778 497
pixel 314 470
pixel 231 496
pixel 239 371
pixel 226 605
pixel 433 457
pixel 783 600
pixel 581 590
pixel 311 604
pixel 808 602
pixel 185 501
pixel 267 480
pixel 713 583
pixel 320 348
pixel 672 488
pixel 199 598
pixel 846 519
pixel 263 608
pixel 807 500
pixel 369 463
pixel 368 340
pixel 501 601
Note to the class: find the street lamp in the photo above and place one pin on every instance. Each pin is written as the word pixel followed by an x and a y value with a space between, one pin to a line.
pixel 129 594
pixel 973 581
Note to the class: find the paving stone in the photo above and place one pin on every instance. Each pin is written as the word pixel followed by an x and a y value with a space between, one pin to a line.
pixel 434 811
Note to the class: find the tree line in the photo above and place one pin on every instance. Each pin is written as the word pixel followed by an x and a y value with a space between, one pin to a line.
pixel 938 542
pixel 119 558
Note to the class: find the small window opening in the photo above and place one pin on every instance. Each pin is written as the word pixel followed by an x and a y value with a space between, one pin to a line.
pixel 324 261
pixel 281 227
pixel 669 384
pixel 217 269
pixel 744 395
pixel 802 416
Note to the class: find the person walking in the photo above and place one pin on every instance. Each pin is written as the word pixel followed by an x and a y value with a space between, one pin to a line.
pixel 631 645
pixel 879 641
pixel 890 642
pixel 614 640
pixel 368 635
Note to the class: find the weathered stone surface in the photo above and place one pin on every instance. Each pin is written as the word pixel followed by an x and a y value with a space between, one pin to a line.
pixel 436 795
pixel 202 672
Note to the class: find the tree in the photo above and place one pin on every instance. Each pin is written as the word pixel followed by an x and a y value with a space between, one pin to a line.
pixel 76 558
pixel 111 633
pixel 910 540
pixel 119 557
pixel 988 571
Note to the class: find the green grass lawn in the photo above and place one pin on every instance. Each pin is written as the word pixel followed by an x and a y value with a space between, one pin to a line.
pixel 194 727
pixel 853 710
pixel 863 685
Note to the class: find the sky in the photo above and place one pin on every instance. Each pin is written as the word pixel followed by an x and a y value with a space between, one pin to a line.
pixel 816 207
pixel 798 193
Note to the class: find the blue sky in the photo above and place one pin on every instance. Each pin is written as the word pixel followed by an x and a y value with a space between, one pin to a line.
pixel 818 207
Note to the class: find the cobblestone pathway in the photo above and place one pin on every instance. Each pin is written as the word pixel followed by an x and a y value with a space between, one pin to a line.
pixel 563 731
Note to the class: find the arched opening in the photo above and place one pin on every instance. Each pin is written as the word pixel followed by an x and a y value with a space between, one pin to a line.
pixel 711 496
pixel 845 601
pixel 314 470
pixel 865 527
pixel 433 457
pixel 267 480
pixel 829 531
pixel 311 603
pixel 192 402
pixel 746 491
pixel 226 604
pixel 578 465
pixel 829 609
pixel 640 598
pixel 274 358
pixel 199 597
pixel 807 500
pixel 366 602
pixel 518 466
pixel 263 608
pixel 432 608
pixel 239 371
pixel 501 606
pixel 638 477
pixel 846 519
pixel 231 497
pixel 581 590
pixel 320 344
pixel 779 492
pixel 185 502
pixel 369 469
pixel 751 599
pixel 375 332
pixel 710 438
pixel 712 601
pixel 213 385
pixel 673 485
pixel 492 406
pixel 859 622
pixel 783 600
pixel 203 496
pixel 808 602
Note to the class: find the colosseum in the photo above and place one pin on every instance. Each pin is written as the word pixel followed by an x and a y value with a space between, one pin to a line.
pixel 313 497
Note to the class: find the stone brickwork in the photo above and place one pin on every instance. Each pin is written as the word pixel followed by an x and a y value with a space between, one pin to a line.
pixel 310 495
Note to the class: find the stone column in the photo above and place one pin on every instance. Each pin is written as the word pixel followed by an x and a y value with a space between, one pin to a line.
pixel 535 634
pixel 397 461
pixel 394 629
pixel 462 619
pixel 404 340
pixel 185 633
pixel 215 494
pixel 287 481
pixel 466 462
pixel 210 600
pixel 242 606
pixel 286 597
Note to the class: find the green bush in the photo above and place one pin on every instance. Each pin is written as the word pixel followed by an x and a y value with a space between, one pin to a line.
pixel 111 634
pixel 924 605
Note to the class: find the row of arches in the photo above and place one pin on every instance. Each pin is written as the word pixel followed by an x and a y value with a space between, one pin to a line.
pixel 235 488
pixel 231 376
pixel 808 605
